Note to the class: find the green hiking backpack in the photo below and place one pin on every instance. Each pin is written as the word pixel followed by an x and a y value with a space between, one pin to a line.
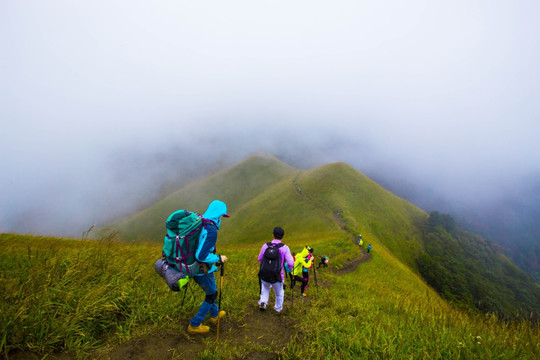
pixel 181 241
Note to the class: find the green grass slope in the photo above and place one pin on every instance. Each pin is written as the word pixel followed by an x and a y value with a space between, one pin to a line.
pixel 75 297
pixel 279 205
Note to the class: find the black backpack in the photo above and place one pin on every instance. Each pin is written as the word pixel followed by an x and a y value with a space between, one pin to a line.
pixel 270 270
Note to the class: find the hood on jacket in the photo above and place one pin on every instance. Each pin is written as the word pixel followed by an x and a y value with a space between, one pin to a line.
pixel 305 252
pixel 215 210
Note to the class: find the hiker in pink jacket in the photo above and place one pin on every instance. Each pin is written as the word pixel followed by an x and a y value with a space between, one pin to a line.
pixel 271 273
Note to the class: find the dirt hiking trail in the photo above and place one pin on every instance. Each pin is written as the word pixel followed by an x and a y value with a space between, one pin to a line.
pixel 263 328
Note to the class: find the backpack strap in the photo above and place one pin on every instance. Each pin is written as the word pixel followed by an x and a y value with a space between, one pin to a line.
pixel 274 244
pixel 183 257
pixel 206 221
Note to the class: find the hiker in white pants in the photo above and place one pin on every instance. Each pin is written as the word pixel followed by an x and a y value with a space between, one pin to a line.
pixel 265 294
pixel 271 269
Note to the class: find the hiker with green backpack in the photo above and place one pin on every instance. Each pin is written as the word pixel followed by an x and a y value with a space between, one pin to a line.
pixel 205 277
pixel 189 253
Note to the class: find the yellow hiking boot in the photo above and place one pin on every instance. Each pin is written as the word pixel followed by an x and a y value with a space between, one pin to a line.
pixel 201 329
pixel 221 315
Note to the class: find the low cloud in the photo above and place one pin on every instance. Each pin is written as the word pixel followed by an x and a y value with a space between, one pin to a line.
pixel 101 109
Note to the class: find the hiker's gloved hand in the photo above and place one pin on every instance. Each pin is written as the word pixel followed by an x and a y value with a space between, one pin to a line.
pixel 223 258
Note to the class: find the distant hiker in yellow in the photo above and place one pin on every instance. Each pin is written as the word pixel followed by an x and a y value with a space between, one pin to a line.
pixel 360 241
pixel 272 257
pixel 205 254
pixel 304 260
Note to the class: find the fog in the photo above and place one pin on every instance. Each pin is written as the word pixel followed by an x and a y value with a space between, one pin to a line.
pixel 102 103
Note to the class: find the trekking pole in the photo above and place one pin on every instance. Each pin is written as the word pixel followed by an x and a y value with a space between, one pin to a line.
pixel 292 292
pixel 191 291
pixel 292 298
pixel 184 296
pixel 219 301
pixel 260 284
pixel 316 284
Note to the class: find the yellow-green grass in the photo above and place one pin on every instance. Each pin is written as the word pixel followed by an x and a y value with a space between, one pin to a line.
pixel 84 297
pixel 236 186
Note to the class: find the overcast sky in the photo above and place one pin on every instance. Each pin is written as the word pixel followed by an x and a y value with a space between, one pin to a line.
pixel 101 101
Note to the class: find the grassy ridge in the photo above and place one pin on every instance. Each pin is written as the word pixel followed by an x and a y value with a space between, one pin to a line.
pixel 365 207
pixel 236 186
pixel 263 192
pixel 280 205
pixel 84 297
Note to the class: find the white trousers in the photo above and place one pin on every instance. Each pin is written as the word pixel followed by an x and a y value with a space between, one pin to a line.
pixel 278 291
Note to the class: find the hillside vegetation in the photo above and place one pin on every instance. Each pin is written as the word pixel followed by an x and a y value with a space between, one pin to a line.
pixel 469 271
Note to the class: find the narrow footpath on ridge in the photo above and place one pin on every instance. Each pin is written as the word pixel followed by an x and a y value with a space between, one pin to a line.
pixel 352 264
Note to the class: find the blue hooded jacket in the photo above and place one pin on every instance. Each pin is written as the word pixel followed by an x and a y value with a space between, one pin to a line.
pixel 207 241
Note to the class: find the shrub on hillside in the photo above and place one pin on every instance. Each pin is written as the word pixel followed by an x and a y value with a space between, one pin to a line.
pixel 467 270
